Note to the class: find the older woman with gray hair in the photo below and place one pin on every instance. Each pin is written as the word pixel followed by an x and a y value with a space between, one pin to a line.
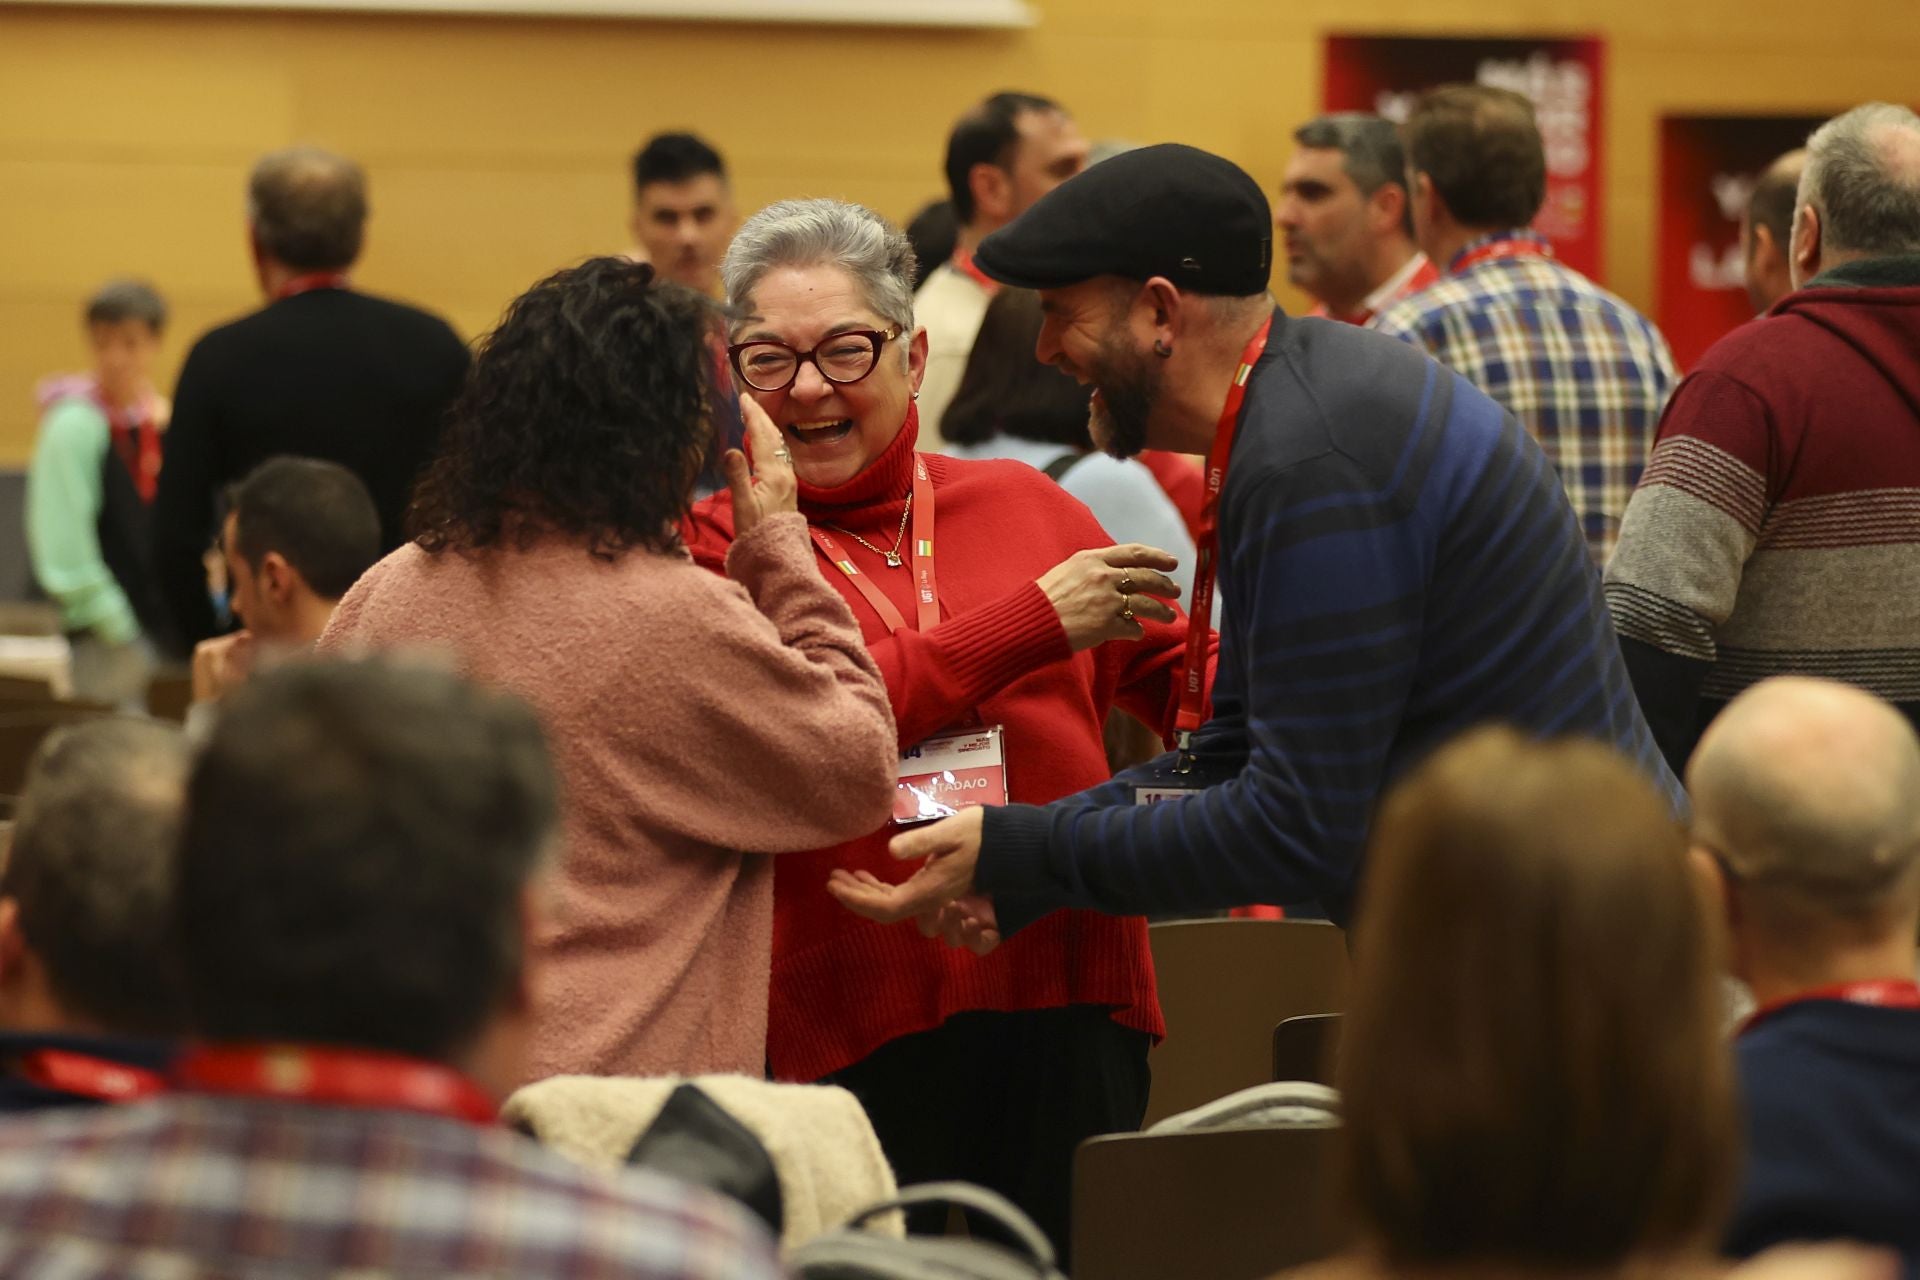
pixel 1006 625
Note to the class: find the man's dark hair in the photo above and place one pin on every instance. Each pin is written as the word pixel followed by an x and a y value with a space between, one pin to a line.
pixel 987 134
pixel 1006 391
pixel 1770 204
pixel 91 869
pixel 118 301
pixel 1481 149
pixel 675 157
pixel 586 414
pixel 1371 148
pixel 317 515
pixel 308 208
pixel 356 843
pixel 1861 177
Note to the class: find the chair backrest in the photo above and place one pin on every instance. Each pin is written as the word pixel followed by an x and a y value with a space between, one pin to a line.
pixel 23 728
pixel 25 691
pixel 1306 1048
pixel 1223 986
pixel 1232 1205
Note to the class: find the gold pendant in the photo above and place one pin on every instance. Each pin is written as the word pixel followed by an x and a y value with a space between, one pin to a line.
pixel 893 559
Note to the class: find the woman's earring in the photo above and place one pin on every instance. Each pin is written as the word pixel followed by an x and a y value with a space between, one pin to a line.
pixel 1161 349
pixel 916 395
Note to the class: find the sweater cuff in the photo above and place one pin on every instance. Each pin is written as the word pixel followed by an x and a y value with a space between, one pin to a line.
pixel 1013 865
pixel 777 544
pixel 990 647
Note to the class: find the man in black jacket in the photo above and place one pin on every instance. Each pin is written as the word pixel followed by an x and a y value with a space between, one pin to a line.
pixel 322 371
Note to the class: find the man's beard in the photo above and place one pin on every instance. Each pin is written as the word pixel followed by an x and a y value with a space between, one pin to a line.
pixel 1128 385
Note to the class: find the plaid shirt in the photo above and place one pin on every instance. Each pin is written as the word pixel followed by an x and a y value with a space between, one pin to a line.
pixel 242 1187
pixel 1585 372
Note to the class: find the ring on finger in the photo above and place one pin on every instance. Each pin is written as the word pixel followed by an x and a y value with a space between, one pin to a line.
pixel 1126 585
pixel 785 455
pixel 1126 608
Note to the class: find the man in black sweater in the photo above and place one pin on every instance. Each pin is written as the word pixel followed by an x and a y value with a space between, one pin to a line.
pixel 322 371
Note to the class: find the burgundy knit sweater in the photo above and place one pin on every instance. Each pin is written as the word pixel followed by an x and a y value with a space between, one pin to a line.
pixel 695 723
pixel 843 986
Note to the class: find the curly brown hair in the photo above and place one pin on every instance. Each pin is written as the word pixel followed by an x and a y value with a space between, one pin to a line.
pixel 587 414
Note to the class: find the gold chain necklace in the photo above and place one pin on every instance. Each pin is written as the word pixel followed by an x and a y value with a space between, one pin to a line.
pixel 893 556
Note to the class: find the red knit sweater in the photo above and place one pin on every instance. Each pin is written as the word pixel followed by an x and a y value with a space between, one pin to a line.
pixel 843 986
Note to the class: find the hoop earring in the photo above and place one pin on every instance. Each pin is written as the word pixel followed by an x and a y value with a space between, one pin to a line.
pixel 1161 349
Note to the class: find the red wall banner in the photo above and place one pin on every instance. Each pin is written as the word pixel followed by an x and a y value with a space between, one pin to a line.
pixel 1708 165
pixel 1563 78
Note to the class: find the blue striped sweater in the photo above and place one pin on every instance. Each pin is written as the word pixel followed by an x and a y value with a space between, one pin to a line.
pixel 1398 563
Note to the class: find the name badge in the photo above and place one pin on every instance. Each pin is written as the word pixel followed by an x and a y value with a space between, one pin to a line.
pixel 1168 783
pixel 951 772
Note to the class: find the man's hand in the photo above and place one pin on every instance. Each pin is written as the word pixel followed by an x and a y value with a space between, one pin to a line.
pixel 221 665
pixel 939 894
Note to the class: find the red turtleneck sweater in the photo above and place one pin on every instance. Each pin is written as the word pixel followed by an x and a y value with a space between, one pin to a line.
pixel 843 986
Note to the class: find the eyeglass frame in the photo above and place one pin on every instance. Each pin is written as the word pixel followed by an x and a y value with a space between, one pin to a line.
pixel 879 337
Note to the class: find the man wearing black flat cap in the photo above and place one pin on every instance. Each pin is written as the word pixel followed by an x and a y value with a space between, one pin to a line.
pixel 1396 558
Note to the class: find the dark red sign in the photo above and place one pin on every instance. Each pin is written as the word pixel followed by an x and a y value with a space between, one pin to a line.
pixel 1707 169
pixel 1562 77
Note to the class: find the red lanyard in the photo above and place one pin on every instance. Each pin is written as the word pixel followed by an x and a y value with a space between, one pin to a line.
pixel 344 1077
pixel 926 593
pixel 1889 993
pixel 963 263
pixel 1193 675
pixel 85 1076
pixel 1505 247
pixel 309 282
pixel 136 438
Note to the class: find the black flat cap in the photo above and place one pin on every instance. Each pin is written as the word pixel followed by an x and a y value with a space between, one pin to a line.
pixel 1168 210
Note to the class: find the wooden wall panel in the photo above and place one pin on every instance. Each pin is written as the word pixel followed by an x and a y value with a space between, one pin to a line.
pixel 497 147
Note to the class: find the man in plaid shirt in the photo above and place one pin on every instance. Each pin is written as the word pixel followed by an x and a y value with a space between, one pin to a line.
pixel 353 898
pixel 1585 372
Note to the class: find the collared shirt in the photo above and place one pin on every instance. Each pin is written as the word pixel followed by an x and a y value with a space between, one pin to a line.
pixel 1413 276
pixel 195 1185
pixel 1582 370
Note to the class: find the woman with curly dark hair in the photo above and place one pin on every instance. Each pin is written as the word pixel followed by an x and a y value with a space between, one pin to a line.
pixel 698 721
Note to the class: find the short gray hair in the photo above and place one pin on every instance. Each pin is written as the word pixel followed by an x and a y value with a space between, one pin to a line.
pixel 1866 192
pixel 811 233
pixel 308 208
pixel 91 868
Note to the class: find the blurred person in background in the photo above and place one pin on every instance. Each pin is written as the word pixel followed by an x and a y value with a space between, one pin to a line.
pixel 933 232
pixel 1766 231
pixel 90 994
pixel 698 721
pixel 90 489
pixel 1584 372
pixel 682 210
pixel 298 533
pixel 1026 619
pixel 1345 220
pixel 1532 1072
pixel 1806 821
pixel 357 886
pixel 322 371
pixel 1002 155
pixel 1775 531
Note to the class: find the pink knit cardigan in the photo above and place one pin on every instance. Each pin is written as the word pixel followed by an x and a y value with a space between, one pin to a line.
pixel 697 722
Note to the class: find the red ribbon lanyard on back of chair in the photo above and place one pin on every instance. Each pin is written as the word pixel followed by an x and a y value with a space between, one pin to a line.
pixel 926 597
pixel 341 1077
pixel 1194 690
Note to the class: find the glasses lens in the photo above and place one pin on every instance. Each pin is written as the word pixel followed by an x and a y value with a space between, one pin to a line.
pixel 846 358
pixel 766 366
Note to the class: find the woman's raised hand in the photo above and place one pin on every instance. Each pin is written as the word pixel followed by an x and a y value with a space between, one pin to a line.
pixel 768 487
pixel 1106 593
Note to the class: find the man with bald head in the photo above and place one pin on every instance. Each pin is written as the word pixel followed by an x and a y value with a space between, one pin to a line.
pixel 1775 532
pixel 1807 821
pixel 322 371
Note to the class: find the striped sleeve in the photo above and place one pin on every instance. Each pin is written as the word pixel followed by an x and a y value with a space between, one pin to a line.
pixel 1688 532
pixel 1326 579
